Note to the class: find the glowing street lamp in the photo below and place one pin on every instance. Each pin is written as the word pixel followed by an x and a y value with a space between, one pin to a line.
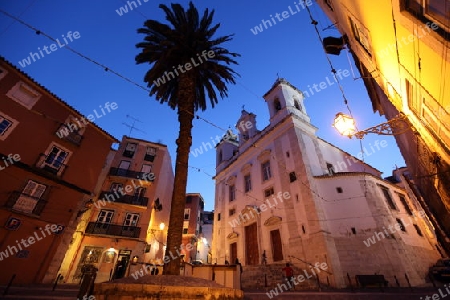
pixel 345 125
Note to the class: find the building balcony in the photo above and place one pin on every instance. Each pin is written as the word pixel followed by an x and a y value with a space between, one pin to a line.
pixel 70 133
pixel 130 174
pixel 24 203
pixel 74 137
pixel 113 229
pixel 126 199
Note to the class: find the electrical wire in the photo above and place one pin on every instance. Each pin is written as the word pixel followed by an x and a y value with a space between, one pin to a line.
pixel 106 68
pixel 333 70
pixel 12 22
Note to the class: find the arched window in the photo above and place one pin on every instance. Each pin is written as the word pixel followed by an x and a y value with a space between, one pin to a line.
pixel 220 156
pixel 297 106
pixel 277 104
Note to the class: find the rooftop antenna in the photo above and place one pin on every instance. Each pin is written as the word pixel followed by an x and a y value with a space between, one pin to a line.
pixel 132 125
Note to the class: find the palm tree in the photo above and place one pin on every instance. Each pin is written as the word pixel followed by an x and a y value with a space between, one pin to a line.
pixel 186 66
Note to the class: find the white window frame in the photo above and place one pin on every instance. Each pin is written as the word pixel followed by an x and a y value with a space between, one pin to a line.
pixel 361 35
pixel 10 128
pixel 131 148
pixel 266 171
pixel 64 162
pixel 28 200
pixel 426 13
pixel 145 166
pixel 131 220
pixel 105 214
pixel 19 90
pixel 151 151
pixel 187 211
pixel 186 227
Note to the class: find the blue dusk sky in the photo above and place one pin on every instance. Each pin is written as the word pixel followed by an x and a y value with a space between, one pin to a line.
pixel 286 45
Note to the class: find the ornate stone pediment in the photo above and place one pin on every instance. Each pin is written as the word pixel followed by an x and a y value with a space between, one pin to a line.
pixel 274 220
pixel 246 168
pixel 233 235
pixel 248 214
pixel 231 180
pixel 265 155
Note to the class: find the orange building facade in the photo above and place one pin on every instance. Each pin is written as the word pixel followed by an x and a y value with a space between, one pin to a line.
pixel 48 171
pixel 126 229
pixel 192 226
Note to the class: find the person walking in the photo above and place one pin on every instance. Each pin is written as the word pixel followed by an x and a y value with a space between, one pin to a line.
pixel 288 273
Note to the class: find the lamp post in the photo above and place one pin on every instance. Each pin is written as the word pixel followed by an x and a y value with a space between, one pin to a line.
pixel 346 126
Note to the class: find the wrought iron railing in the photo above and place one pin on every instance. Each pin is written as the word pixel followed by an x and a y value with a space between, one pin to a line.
pixel 21 202
pixel 131 174
pixel 113 229
pixel 127 199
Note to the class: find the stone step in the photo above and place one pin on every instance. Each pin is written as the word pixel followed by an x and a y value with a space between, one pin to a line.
pixel 405 294
pixel 40 291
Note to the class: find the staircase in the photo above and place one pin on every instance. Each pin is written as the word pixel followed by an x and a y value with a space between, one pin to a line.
pixel 369 294
pixel 266 277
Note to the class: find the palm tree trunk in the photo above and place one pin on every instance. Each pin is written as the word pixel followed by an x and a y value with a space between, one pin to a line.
pixel 186 98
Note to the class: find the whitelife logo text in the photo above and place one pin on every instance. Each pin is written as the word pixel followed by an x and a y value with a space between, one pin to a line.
pixel 49 49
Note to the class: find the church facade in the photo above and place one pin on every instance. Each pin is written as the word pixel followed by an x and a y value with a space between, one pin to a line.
pixel 285 195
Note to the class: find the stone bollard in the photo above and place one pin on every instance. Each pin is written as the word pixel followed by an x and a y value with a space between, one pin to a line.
pixel 87 282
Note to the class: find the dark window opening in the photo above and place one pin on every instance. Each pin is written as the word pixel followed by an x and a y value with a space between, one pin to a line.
pixel 268 192
pixel 339 190
pixel 247 183
pixel 328 3
pixel 405 204
pixel 277 104
pixel 330 169
pixel 297 106
pixel 353 230
pixel 129 150
pixel 150 154
pixel 292 177
pixel 388 197
pixel 232 193
pixel 402 226
pixel 419 232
